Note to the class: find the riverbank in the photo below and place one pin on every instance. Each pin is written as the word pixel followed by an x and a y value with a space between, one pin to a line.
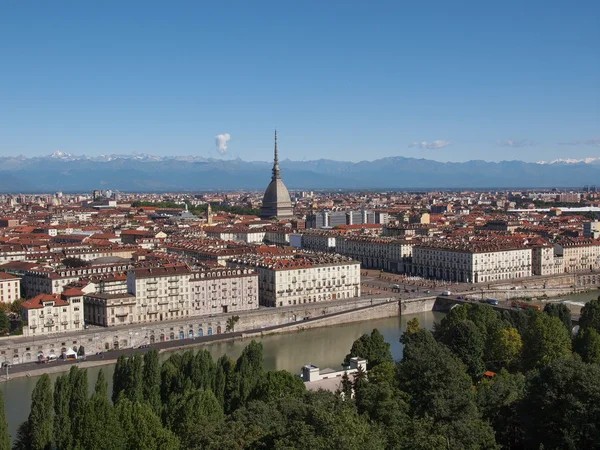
pixel 324 346
pixel 383 309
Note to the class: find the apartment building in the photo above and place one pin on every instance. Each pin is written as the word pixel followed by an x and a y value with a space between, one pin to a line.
pixel 304 278
pixel 472 262
pixel 162 293
pixel 45 280
pixel 223 290
pixel 109 309
pixel 53 313
pixel 316 241
pixel 388 254
pixel 578 254
pixel 544 261
pixel 10 287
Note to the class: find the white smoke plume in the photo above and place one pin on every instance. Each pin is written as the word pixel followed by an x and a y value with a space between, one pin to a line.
pixel 221 142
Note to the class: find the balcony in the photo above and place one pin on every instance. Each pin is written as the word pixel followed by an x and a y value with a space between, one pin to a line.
pixel 122 314
pixel 163 303
pixel 65 322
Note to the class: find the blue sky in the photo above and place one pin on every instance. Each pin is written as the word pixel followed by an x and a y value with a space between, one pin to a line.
pixel 450 81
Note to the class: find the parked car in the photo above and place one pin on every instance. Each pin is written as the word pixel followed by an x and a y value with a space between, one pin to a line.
pixel 460 297
pixel 492 301
pixel 446 293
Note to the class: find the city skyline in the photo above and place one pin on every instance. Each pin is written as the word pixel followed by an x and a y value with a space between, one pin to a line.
pixel 475 82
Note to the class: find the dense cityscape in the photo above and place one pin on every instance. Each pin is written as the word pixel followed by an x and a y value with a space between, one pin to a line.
pixel 299 225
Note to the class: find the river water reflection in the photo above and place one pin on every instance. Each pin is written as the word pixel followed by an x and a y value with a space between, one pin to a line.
pixel 324 347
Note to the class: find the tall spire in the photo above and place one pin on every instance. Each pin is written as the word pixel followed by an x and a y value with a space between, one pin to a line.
pixel 276 171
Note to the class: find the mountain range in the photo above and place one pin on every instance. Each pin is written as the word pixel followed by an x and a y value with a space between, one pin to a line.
pixel 147 173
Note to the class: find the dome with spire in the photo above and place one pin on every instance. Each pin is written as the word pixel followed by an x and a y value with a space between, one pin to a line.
pixel 276 201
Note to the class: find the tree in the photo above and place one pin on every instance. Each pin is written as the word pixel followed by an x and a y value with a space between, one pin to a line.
pixel 545 340
pixel 590 315
pixel 561 311
pixel 103 431
pixel 121 377
pixel 39 423
pixel 72 263
pixel 62 420
pixel 561 407
pixel 587 345
pixel 412 326
pixel 78 401
pixel 4 436
pixel 15 307
pixel 346 386
pixel 135 386
pixel 277 384
pixel 466 342
pixel 151 381
pixel 4 323
pixel 438 387
pixel 371 347
pixel 247 374
pixel 142 429
pixel 230 328
pixel 498 399
pixel 506 347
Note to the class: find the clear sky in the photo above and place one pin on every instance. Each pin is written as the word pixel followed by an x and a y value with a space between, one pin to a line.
pixel 448 80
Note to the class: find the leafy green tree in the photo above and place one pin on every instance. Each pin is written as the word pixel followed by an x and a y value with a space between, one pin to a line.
pixel 223 381
pixel 590 315
pixel 230 328
pixel 142 429
pixel 561 311
pixel 136 382
pixel 382 373
pixel 498 399
pixel 62 419
pixel 439 387
pixel 506 347
pixel 545 340
pixel 202 370
pixel 371 347
pixel 466 342
pixel 151 381
pixel 74 263
pixel 247 374
pixel 121 377
pixel 561 407
pixel 4 323
pixel 412 326
pixel 4 436
pixel 346 387
pixel 587 345
pixel 39 424
pixel 102 429
pixel 194 406
pixel 277 384
pixel 15 307
pixel 78 401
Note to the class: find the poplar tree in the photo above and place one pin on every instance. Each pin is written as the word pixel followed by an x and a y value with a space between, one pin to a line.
pixel 102 429
pixel 151 381
pixel 78 403
pixel 135 387
pixel 39 426
pixel 62 419
pixel 4 436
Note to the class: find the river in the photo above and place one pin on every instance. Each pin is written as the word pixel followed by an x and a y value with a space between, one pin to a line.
pixel 324 347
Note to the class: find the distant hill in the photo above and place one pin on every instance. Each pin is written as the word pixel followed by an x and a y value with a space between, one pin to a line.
pixel 139 173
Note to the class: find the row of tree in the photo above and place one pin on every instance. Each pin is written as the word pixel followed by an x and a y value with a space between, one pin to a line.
pixel 545 394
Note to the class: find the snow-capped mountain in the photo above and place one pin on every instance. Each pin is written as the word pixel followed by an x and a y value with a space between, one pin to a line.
pixel 590 160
